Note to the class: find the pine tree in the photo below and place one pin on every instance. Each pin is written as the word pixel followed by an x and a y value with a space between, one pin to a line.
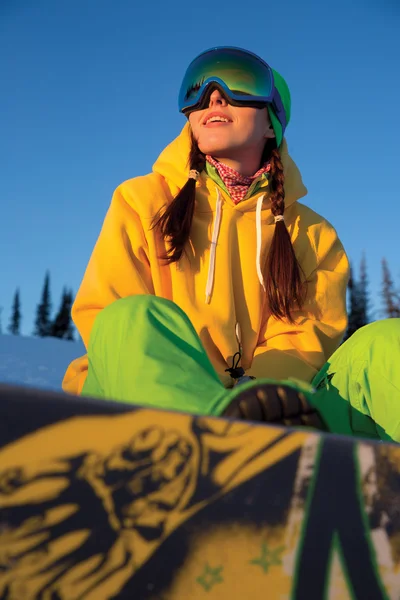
pixel 69 334
pixel 62 325
pixel 43 320
pixel 15 321
pixel 363 292
pixel 390 296
pixel 353 305
pixel 358 299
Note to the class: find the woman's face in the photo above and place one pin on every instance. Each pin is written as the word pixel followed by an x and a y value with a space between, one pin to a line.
pixel 225 131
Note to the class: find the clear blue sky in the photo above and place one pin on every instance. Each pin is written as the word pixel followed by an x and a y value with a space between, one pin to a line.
pixel 89 98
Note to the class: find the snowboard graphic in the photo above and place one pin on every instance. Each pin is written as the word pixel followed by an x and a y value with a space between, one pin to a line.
pixel 102 500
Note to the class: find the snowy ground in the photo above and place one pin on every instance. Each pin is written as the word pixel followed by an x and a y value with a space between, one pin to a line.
pixel 39 362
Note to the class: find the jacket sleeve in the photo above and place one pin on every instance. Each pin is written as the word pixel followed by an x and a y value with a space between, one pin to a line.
pixel 300 350
pixel 119 267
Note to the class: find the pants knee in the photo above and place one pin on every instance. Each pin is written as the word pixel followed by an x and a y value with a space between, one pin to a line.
pixel 378 341
pixel 383 329
pixel 132 308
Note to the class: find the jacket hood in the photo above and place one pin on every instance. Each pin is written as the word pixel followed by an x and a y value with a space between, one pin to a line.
pixel 172 165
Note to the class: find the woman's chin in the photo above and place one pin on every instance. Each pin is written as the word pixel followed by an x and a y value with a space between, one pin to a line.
pixel 214 149
pixel 215 142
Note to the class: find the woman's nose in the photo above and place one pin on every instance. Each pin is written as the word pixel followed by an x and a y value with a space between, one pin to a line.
pixel 217 99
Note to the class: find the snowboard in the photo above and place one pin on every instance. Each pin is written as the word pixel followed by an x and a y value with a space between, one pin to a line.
pixel 104 500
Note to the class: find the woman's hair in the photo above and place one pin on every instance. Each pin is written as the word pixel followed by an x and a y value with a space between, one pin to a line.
pixel 283 282
pixel 283 274
pixel 175 222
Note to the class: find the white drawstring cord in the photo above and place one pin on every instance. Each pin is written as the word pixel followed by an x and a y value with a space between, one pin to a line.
pixel 259 240
pixel 239 336
pixel 213 248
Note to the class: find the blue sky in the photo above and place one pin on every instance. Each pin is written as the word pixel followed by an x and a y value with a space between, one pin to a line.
pixel 89 99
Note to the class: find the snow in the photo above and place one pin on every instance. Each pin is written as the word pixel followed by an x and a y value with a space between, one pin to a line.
pixel 37 362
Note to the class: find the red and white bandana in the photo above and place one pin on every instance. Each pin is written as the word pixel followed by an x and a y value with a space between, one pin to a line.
pixel 236 184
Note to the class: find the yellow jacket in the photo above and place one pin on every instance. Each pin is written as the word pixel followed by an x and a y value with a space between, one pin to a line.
pixel 124 262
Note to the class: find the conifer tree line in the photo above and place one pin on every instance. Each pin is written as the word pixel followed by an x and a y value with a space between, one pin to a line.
pixel 360 310
pixel 46 324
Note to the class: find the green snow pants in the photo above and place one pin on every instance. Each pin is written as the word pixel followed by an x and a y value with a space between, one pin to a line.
pixel 144 350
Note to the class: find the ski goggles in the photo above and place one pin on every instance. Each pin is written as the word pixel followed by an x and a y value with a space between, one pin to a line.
pixel 243 77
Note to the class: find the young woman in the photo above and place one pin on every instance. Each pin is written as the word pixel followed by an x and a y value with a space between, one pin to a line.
pixel 209 272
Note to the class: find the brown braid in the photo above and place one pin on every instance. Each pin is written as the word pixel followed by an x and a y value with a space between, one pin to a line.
pixel 176 221
pixel 284 285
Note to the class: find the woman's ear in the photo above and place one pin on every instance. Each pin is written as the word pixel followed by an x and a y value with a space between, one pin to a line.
pixel 269 134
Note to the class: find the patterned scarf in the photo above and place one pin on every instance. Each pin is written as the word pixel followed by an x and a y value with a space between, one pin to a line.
pixel 236 184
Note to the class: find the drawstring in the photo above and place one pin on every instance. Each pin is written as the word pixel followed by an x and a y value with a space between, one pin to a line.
pixel 236 371
pixel 238 332
pixel 213 249
pixel 259 240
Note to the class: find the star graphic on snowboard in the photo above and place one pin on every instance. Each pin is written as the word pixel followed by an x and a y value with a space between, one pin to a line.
pixel 268 557
pixel 210 577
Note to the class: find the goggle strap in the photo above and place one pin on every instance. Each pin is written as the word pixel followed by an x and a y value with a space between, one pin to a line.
pixel 279 109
